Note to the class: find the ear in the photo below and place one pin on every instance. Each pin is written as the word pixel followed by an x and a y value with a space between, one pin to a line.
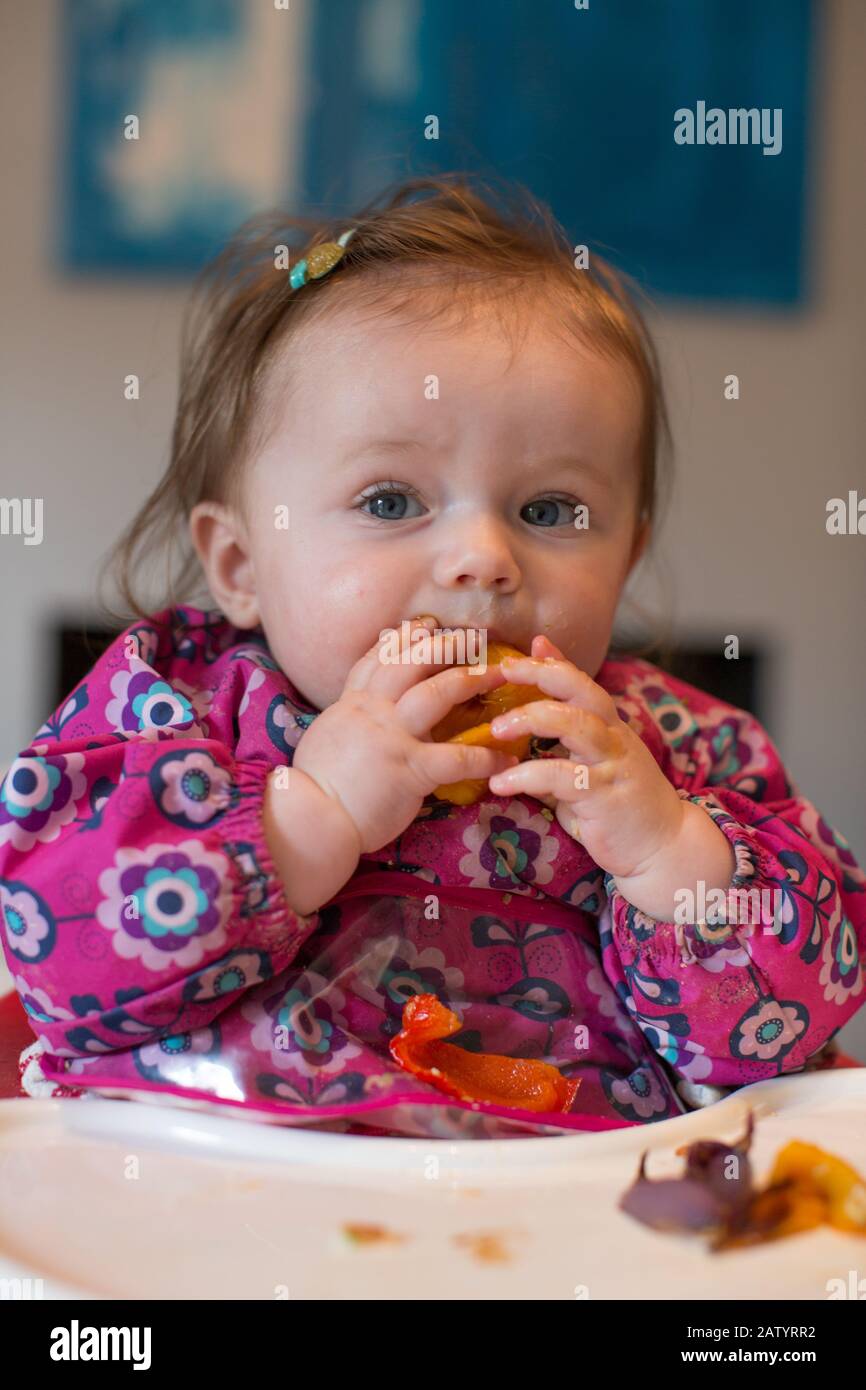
pixel 222 546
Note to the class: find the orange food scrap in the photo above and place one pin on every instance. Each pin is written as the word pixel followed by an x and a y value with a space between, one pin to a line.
pixel 420 1048
pixel 840 1186
pixel 807 1187
pixel 782 1209
pixel 368 1233
pixel 470 721
pixel 487 1246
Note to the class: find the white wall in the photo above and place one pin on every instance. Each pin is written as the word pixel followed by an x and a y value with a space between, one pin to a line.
pixel 745 544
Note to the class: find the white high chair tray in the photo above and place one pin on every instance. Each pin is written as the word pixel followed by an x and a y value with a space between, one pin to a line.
pixel 114 1199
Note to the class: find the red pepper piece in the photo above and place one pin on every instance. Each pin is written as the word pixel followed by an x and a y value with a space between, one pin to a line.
pixel 515 1081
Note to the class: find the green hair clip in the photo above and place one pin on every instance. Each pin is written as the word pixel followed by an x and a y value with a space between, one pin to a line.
pixel 321 259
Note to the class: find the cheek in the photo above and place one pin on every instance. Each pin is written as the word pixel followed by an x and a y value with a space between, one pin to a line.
pixel 572 621
pixel 338 601
pixel 584 593
pixel 355 597
pixel 304 582
pixel 319 620
pixel 578 615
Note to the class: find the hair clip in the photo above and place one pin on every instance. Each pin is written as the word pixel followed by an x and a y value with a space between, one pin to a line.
pixel 321 259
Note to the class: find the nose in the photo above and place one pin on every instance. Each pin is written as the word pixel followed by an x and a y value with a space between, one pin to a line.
pixel 478 556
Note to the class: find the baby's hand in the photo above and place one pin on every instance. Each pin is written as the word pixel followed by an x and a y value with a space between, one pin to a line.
pixel 372 751
pixel 611 795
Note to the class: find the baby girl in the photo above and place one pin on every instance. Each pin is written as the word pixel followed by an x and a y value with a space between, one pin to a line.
pixel 225 868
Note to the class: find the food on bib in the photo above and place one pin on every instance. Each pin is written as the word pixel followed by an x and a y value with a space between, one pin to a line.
pixel 470 722
pixel 420 1048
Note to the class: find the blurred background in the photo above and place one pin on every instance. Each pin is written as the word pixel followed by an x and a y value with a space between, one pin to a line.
pixel 754 263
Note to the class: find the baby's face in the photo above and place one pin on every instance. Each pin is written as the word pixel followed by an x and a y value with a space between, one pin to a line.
pixel 426 472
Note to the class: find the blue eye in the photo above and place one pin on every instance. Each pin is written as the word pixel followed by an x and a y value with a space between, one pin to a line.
pixel 393 499
pixel 548 515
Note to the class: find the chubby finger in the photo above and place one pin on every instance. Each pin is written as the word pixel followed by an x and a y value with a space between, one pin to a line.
pixel 418 661
pixel 360 674
pixel 379 671
pixel 445 763
pixel 551 777
pixel 561 679
pixel 426 702
pixel 542 647
pixel 577 729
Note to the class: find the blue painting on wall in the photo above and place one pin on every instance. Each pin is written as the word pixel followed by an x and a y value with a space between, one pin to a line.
pixel 207 82
pixel 577 104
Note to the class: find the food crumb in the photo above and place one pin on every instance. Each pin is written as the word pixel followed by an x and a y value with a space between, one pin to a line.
pixel 368 1233
pixel 487 1246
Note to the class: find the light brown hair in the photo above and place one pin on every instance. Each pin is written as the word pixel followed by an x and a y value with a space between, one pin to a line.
pixel 442 233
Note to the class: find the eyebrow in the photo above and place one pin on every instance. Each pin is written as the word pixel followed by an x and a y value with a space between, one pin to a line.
pixel 577 465
pixel 377 445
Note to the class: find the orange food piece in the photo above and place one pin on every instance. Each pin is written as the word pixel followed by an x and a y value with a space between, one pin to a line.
pixel 367 1233
pixel 471 789
pixel 782 1209
pixel 841 1186
pixel 470 722
pixel 806 1188
pixel 420 1048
